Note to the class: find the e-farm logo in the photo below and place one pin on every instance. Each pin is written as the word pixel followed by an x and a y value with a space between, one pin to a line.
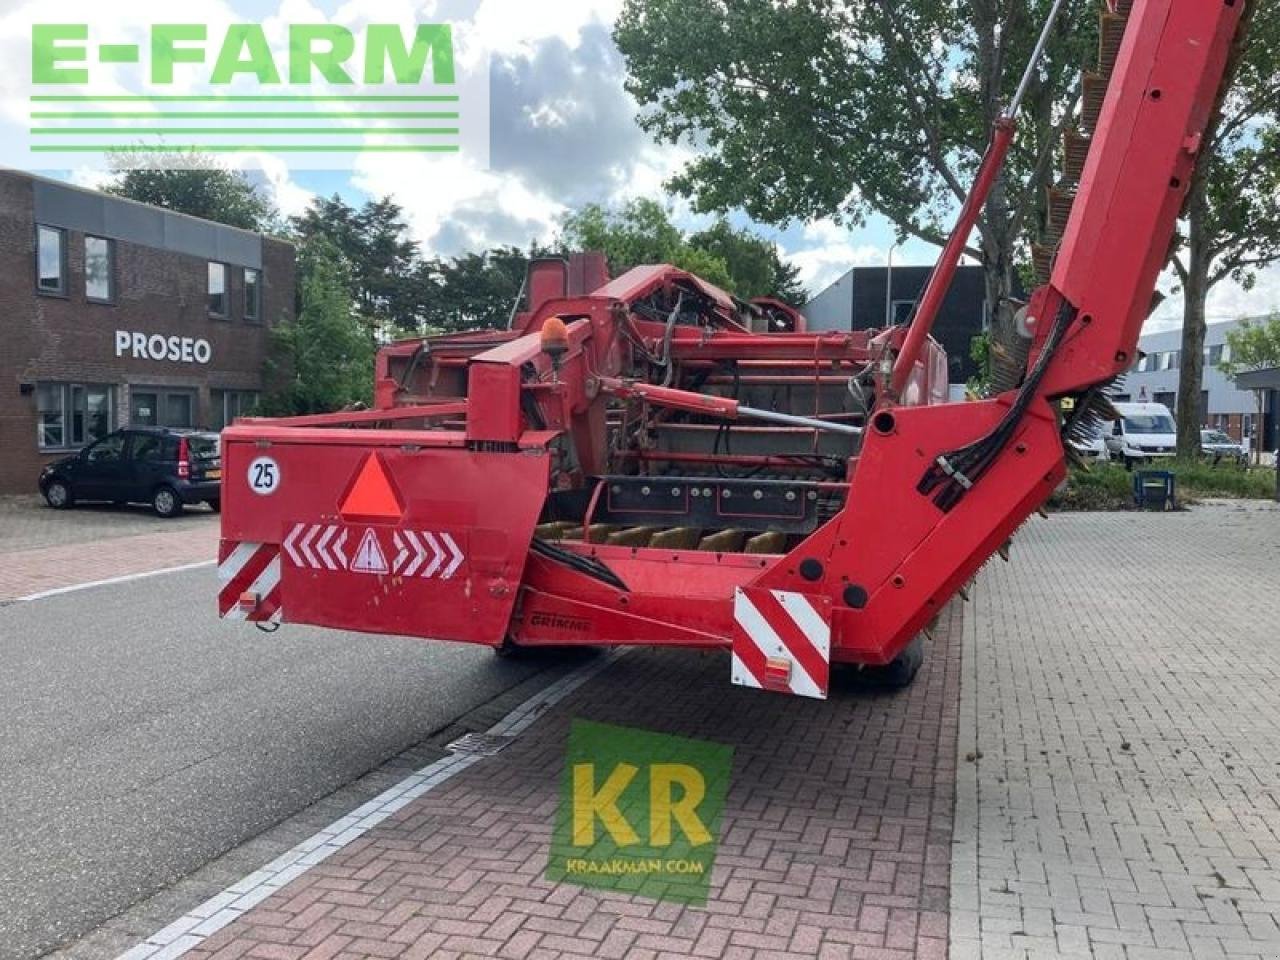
pixel 322 90
pixel 639 812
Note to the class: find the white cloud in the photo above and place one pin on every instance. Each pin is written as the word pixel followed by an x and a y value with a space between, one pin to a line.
pixel 1227 301
pixel 827 250
pixel 517 27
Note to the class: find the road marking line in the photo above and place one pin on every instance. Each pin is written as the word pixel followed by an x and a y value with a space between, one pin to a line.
pixel 58 591
pixel 218 911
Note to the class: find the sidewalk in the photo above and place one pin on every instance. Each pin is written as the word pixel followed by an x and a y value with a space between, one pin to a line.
pixel 43 549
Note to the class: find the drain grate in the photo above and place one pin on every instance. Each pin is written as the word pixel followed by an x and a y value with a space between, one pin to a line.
pixel 479 744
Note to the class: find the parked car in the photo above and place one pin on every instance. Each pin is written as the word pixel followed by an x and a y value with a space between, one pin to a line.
pixel 1094 448
pixel 1144 432
pixel 1219 446
pixel 165 468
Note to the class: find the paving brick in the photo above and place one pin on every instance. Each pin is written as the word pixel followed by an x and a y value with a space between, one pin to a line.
pixel 836 834
pixel 42 549
pixel 1117 685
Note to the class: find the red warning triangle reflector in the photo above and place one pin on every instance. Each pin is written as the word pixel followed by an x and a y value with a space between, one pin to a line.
pixel 372 494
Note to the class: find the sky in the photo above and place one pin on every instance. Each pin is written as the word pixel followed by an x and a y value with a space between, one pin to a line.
pixel 563 133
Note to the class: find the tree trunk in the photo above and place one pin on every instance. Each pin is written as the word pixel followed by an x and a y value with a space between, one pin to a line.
pixel 1257 427
pixel 1195 291
pixel 1006 356
pixel 1191 369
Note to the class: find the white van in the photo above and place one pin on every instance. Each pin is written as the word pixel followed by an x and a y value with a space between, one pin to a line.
pixel 1144 432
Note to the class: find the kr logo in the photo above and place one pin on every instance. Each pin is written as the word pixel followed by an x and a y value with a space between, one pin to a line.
pixel 639 812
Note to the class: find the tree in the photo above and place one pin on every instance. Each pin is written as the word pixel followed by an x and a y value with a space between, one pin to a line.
pixel 1233 206
pixel 812 109
pixel 755 268
pixel 641 231
pixel 477 289
pixel 388 281
pixel 637 233
pixel 197 185
pixel 322 360
pixel 1253 345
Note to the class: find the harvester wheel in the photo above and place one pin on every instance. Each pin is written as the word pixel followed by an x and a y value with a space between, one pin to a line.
pixel 901 671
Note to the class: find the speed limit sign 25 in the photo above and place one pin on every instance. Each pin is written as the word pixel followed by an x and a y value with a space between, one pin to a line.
pixel 264 476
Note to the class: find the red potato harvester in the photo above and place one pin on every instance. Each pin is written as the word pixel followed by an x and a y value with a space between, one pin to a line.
pixel 648 460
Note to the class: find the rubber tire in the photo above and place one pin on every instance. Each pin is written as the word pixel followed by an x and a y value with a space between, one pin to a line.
pixel 166 507
pixel 898 674
pixel 214 505
pixel 68 500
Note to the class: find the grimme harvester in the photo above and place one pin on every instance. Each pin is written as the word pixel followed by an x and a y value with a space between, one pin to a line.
pixel 647 460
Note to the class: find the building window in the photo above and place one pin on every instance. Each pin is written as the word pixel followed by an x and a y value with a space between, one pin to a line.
pixel 161 407
pixel 252 294
pixel 229 404
pixel 900 311
pixel 73 414
pixel 1215 355
pixel 51 260
pixel 98 274
pixel 218 289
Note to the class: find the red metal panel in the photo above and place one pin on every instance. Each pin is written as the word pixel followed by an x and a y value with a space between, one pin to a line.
pixel 904 554
pixel 494 414
pixel 485 504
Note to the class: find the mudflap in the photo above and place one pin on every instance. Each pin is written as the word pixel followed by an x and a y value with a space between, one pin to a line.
pixel 782 641
pixel 388 537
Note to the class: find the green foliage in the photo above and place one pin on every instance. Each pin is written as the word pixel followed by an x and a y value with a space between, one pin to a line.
pixel 198 186
pixel 477 289
pixel 1253 345
pixel 980 354
pixel 641 232
pixel 1235 196
pixel 323 360
pixel 637 233
pixel 755 268
pixel 389 281
pixel 1108 486
pixel 811 109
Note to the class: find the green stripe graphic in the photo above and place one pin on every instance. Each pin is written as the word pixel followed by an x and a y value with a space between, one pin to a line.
pixel 286 131
pixel 227 98
pixel 238 115
pixel 245 148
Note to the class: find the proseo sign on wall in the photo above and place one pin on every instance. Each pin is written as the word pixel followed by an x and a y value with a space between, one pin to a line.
pixel 142 346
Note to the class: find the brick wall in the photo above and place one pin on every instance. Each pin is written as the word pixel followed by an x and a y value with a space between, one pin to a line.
pixel 69 339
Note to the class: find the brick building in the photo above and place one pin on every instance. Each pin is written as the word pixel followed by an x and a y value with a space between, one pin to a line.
pixel 115 313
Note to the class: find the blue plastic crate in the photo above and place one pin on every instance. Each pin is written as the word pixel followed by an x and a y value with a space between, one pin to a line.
pixel 1155 490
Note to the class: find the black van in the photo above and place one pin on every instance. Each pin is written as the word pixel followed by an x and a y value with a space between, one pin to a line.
pixel 156 465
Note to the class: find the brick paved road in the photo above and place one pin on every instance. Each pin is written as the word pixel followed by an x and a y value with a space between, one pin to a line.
pixel 835 841
pixel 43 549
pixel 1122 684
pixel 1116 780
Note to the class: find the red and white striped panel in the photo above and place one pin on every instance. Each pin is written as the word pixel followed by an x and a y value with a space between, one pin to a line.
pixel 782 641
pixel 248 568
